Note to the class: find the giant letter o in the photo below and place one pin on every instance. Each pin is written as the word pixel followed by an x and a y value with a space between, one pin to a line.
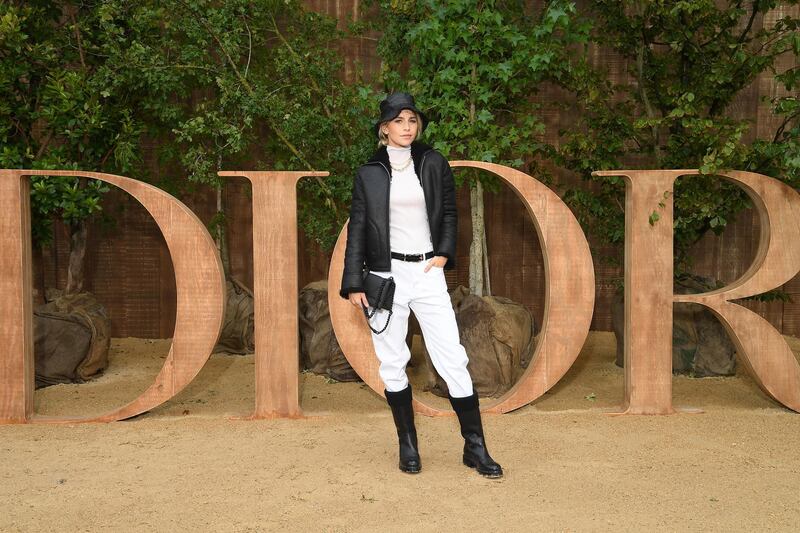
pixel 568 306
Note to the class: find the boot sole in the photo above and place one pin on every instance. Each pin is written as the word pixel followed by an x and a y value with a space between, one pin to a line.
pixel 413 470
pixel 489 475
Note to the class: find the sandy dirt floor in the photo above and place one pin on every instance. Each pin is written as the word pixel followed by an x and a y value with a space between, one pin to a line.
pixel 570 466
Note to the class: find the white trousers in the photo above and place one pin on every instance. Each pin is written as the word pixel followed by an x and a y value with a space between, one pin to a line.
pixel 425 293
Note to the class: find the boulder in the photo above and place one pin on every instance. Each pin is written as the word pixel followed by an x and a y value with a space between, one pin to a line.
pixel 319 349
pixel 238 330
pixel 700 345
pixel 498 335
pixel 72 337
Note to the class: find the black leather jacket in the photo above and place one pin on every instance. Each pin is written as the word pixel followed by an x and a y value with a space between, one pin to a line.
pixel 368 230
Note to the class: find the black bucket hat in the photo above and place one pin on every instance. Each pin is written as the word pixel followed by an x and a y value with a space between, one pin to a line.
pixel 392 105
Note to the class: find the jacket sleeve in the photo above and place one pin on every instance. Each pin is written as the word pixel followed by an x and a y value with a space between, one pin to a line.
pixel 356 241
pixel 449 230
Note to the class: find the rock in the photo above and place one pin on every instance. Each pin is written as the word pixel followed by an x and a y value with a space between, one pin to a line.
pixel 700 345
pixel 319 349
pixel 238 330
pixel 72 336
pixel 499 337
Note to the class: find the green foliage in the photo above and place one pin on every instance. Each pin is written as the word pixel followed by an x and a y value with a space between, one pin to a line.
pixel 690 61
pixel 57 109
pixel 74 200
pixel 265 84
pixel 475 65
pixel 212 85
pixel 215 85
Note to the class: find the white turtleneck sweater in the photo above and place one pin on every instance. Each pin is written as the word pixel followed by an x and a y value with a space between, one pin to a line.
pixel 409 232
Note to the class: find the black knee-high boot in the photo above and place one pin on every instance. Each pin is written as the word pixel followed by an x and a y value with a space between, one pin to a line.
pixel 475 453
pixel 403 414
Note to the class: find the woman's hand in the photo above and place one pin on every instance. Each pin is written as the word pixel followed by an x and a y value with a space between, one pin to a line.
pixel 358 299
pixel 437 261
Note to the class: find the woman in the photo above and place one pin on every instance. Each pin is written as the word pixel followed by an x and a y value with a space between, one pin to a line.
pixel 403 224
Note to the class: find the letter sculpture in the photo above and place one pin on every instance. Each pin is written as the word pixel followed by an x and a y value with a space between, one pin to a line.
pixel 649 292
pixel 275 290
pixel 569 298
pixel 569 293
pixel 199 280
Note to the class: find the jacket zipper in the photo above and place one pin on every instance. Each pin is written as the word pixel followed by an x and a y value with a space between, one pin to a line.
pixel 388 227
pixel 421 165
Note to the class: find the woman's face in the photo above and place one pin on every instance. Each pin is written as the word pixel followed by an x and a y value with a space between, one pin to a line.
pixel 401 130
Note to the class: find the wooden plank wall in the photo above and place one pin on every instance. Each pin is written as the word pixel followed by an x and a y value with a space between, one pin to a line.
pixel 128 266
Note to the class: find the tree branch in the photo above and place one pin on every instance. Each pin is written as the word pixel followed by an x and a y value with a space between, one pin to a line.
pixel 216 38
pixel 749 26
pixel 313 82
pixel 646 100
pixel 249 46
pixel 782 127
pixel 285 140
pixel 45 144
pixel 78 38
pixel 105 157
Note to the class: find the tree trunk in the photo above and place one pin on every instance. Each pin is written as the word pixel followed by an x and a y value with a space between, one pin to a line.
pixel 478 256
pixel 77 255
pixel 476 248
pixel 487 280
pixel 221 233
pixel 37 256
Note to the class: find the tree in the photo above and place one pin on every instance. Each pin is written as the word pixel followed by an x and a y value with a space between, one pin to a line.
pixel 475 65
pixel 689 61
pixel 57 110
pixel 90 84
pixel 265 83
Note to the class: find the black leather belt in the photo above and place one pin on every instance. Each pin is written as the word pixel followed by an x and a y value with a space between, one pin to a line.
pixel 414 258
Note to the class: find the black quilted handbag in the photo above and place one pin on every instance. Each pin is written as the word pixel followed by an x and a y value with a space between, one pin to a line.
pixel 380 295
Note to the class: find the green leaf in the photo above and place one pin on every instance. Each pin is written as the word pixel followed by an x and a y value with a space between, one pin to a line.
pixel 653 218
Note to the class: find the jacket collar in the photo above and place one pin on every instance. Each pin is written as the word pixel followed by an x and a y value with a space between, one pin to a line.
pixel 418 149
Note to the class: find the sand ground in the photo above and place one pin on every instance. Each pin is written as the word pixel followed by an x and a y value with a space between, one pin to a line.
pixel 570 466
